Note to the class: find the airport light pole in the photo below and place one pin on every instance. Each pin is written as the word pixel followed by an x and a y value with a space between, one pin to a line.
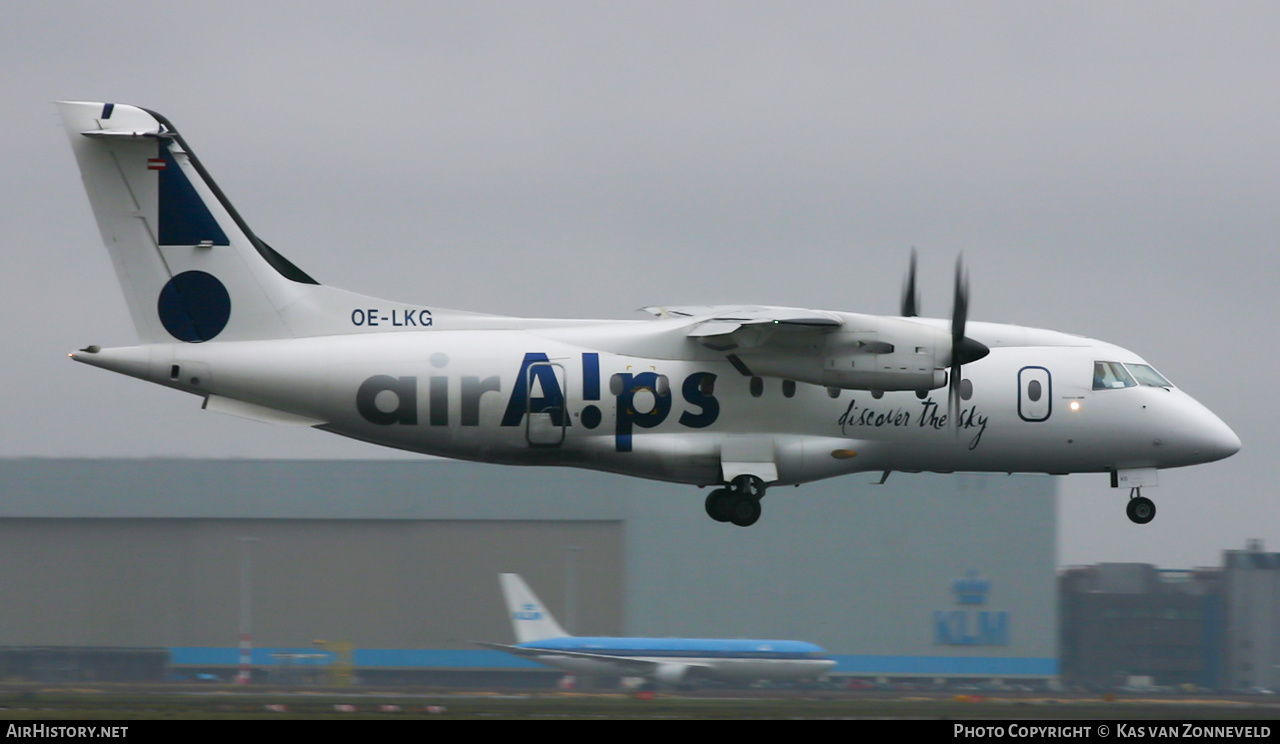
pixel 246 609
pixel 571 586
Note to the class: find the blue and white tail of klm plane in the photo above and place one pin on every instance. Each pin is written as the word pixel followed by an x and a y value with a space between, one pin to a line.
pixel 666 660
pixel 529 618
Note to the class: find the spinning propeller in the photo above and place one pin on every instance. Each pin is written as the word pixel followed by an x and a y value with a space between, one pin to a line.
pixel 963 349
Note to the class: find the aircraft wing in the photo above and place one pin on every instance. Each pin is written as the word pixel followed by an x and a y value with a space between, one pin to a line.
pixel 728 318
pixel 728 327
pixel 637 667
pixel 836 350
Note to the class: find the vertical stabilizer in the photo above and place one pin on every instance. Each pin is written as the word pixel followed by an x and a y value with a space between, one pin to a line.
pixel 190 267
pixel 529 618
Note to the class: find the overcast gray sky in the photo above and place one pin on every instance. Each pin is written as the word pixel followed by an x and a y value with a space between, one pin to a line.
pixel 1109 169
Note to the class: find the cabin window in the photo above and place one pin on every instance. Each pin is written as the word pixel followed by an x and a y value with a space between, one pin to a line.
pixel 757 387
pixel 789 388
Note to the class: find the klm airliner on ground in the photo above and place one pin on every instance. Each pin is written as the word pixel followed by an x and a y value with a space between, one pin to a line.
pixel 670 661
pixel 736 398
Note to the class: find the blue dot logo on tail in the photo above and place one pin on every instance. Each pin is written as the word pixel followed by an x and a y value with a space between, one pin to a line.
pixel 194 306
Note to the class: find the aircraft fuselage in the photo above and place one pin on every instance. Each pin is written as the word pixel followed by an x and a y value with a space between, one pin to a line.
pixel 502 395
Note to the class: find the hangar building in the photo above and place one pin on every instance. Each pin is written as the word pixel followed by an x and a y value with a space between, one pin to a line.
pixel 394 563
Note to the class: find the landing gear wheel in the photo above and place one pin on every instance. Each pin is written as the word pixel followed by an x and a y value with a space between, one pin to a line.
pixel 1140 509
pixel 739 502
pixel 744 511
pixel 717 504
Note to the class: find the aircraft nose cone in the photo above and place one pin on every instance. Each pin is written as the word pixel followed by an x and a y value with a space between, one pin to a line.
pixel 1223 443
pixel 1195 434
pixel 1215 440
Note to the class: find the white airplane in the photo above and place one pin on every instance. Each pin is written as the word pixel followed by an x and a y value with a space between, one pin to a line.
pixel 670 661
pixel 739 398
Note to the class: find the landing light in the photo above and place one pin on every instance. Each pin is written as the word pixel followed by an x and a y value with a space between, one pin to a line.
pixel 1075 405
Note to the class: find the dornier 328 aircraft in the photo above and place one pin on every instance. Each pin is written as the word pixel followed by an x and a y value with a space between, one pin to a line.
pixel 740 399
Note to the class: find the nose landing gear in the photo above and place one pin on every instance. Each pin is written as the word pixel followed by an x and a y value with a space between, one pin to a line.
pixel 739 503
pixel 1140 509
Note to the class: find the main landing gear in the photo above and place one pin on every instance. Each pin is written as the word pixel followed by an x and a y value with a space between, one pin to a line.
pixel 1140 509
pixel 739 503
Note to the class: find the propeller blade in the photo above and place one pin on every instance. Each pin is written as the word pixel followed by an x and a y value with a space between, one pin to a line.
pixel 960 311
pixel 910 308
pixel 963 349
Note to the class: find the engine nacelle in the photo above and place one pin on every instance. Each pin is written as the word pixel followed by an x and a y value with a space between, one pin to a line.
pixel 868 353
pixel 671 674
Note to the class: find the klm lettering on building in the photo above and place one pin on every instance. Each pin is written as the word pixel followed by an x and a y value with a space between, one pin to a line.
pixel 969 625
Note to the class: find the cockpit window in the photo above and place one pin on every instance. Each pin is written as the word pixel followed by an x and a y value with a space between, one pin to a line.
pixel 1148 376
pixel 1107 375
